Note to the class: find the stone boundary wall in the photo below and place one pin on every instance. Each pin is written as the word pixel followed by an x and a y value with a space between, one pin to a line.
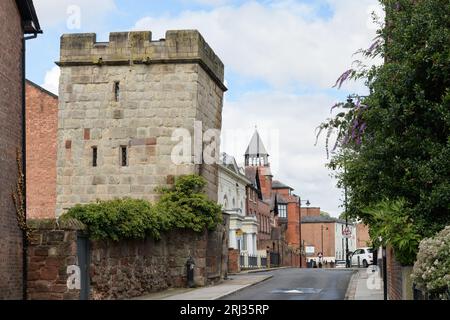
pixel 133 268
pixel 52 249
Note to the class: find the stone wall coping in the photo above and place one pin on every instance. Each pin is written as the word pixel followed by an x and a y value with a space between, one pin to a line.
pixel 56 224
pixel 137 47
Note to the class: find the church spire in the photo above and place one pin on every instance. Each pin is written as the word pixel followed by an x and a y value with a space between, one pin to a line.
pixel 256 154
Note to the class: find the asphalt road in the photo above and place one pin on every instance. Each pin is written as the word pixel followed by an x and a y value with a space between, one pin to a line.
pixel 298 284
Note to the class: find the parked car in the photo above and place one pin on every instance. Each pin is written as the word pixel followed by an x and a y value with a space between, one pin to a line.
pixel 363 255
pixel 339 264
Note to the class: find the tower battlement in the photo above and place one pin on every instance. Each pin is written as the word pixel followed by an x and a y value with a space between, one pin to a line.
pixel 137 47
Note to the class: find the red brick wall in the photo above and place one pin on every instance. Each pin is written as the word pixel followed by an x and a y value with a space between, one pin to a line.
pixel 309 212
pixel 264 220
pixel 10 140
pixel 293 227
pixel 233 261
pixel 394 276
pixel 42 125
pixel 265 180
pixel 312 235
pixel 362 235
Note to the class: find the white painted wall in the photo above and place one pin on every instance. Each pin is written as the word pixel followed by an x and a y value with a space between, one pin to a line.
pixel 340 240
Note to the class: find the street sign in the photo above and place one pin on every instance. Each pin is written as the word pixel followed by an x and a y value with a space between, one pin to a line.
pixel 310 249
pixel 347 233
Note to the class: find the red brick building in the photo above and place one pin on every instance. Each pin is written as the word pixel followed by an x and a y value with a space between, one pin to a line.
pixel 18 18
pixel 259 193
pixel 362 235
pixel 265 199
pixel 42 125
pixel 288 205
pixel 257 206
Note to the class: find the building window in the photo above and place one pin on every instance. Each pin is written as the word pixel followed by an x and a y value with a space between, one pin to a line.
pixel 123 156
pixel 94 156
pixel 282 211
pixel 116 91
pixel 244 242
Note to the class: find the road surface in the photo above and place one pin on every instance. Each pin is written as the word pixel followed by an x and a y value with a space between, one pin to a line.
pixel 298 284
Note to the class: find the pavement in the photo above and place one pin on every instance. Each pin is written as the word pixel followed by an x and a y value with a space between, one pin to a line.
pixel 365 284
pixel 233 284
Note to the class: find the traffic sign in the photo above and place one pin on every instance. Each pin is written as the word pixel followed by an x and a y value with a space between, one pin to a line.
pixel 347 233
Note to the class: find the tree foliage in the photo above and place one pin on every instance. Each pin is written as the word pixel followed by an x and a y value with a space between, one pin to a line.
pixel 392 225
pixel 183 206
pixel 324 214
pixel 395 142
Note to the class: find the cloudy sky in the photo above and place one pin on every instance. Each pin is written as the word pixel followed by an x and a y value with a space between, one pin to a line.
pixel 281 59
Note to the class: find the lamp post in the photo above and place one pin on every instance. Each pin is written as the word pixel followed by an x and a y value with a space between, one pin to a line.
pixel 326 228
pixel 347 262
pixel 300 227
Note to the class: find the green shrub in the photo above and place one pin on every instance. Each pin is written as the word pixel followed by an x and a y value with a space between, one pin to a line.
pixel 392 223
pixel 431 271
pixel 183 206
pixel 187 207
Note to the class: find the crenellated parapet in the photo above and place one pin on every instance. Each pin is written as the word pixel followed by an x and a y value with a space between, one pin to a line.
pixel 137 47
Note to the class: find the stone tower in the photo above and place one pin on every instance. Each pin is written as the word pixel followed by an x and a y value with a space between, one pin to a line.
pixel 119 103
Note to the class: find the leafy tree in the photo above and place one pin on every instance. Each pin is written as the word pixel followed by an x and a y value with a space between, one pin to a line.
pixel 395 143
pixel 324 214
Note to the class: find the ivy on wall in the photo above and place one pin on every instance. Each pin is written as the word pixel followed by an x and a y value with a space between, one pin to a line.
pixel 18 196
pixel 182 206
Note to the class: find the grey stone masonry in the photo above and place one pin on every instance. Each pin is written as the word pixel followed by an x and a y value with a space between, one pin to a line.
pixel 129 95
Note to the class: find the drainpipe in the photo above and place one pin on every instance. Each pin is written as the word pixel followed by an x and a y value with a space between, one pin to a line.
pixel 24 169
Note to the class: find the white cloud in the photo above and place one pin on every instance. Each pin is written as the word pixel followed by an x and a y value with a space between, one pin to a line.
pixel 288 45
pixel 51 80
pixel 55 12
pixel 287 124
pixel 280 42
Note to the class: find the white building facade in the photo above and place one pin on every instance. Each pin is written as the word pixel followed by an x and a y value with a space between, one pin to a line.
pixel 340 239
pixel 232 196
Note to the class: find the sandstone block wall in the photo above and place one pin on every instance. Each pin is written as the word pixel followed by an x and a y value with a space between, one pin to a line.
pixel 163 85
